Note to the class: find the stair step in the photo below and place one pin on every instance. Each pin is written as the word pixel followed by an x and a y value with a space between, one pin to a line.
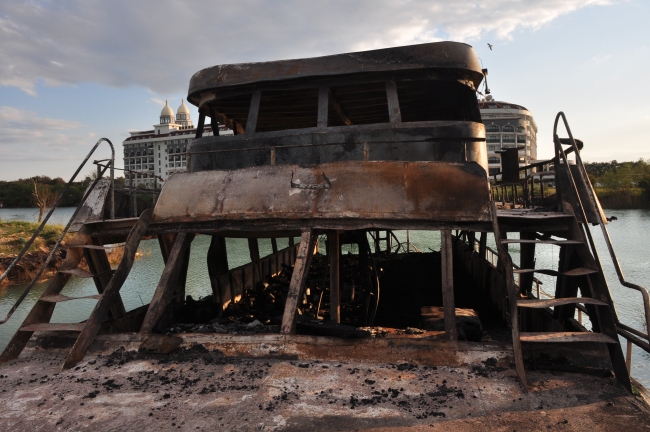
pixel 524 214
pixel 54 327
pixel 84 273
pixel 580 271
pixel 542 271
pixel 553 242
pixel 565 337
pixel 89 246
pixel 537 303
pixel 57 298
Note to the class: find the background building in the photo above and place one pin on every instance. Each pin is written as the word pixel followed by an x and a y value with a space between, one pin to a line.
pixel 162 150
pixel 508 125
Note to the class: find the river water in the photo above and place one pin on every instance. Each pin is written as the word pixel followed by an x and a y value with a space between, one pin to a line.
pixel 630 235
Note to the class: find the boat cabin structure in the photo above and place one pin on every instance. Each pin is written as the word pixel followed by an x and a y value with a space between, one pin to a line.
pixel 339 153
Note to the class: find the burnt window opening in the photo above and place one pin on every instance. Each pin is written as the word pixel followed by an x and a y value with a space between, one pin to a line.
pixel 234 108
pixel 429 100
pixel 287 109
pixel 358 104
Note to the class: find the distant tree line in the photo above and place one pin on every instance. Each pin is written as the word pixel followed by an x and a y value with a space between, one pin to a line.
pixel 621 177
pixel 20 193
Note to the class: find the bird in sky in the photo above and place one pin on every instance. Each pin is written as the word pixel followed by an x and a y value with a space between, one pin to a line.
pixel 490 45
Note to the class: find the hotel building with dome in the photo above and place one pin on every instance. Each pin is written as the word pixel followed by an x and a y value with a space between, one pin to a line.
pixel 157 153
pixel 508 125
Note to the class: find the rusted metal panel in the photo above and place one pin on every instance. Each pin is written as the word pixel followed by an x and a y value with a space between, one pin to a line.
pixel 399 191
pixel 445 141
pixel 92 209
pixel 438 55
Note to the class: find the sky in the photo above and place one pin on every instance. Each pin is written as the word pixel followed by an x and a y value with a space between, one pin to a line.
pixel 73 71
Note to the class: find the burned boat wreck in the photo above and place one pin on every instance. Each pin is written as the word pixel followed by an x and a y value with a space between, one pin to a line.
pixel 349 149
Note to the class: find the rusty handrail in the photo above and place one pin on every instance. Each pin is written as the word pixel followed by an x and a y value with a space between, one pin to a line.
pixel 624 330
pixel 67 227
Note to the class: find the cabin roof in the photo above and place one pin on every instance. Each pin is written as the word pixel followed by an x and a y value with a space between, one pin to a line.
pixel 437 55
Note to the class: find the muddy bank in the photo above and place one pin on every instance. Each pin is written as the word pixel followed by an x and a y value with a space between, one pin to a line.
pixel 29 265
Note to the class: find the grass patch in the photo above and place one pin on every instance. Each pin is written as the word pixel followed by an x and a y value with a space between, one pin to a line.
pixel 15 234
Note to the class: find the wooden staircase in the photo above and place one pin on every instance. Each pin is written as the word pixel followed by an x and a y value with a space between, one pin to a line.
pixel 108 283
pixel 579 271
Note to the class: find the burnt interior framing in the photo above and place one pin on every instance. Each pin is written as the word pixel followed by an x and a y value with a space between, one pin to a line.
pixel 353 100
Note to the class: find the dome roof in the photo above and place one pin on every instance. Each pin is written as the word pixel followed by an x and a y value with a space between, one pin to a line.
pixel 167 110
pixel 183 109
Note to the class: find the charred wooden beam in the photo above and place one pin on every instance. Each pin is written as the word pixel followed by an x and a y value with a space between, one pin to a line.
pixel 506 267
pixel 253 112
pixel 168 282
pixel 323 100
pixel 217 265
pixel 333 102
pixel 100 267
pixel 448 303
pixel 527 261
pixel 334 252
pixel 298 280
pixel 111 293
pixel 200 126
pixel 393 103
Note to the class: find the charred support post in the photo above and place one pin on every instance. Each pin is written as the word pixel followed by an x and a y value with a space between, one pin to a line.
pixel 527 261
pixel 254 250
pixel 505 264
pixel 111 293
pixel 323 99
pixel 394 113
pixel 217 265
pixel 179 294
pixel 251 123
pixel 298 280
pixel 332 101
pixel 200 126
pixel 446 251
pixel 274 245
pixel 334 252
pixel 168 282
pixel 99 266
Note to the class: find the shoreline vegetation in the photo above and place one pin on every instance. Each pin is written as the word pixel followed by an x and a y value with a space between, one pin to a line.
pixel 15 234
pixel 621 185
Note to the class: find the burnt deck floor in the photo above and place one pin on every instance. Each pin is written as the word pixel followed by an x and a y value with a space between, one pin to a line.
pixel 201 387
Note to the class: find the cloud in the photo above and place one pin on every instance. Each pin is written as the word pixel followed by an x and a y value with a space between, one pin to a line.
pixel 601 58
pixel 159 44
pixel 27 137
